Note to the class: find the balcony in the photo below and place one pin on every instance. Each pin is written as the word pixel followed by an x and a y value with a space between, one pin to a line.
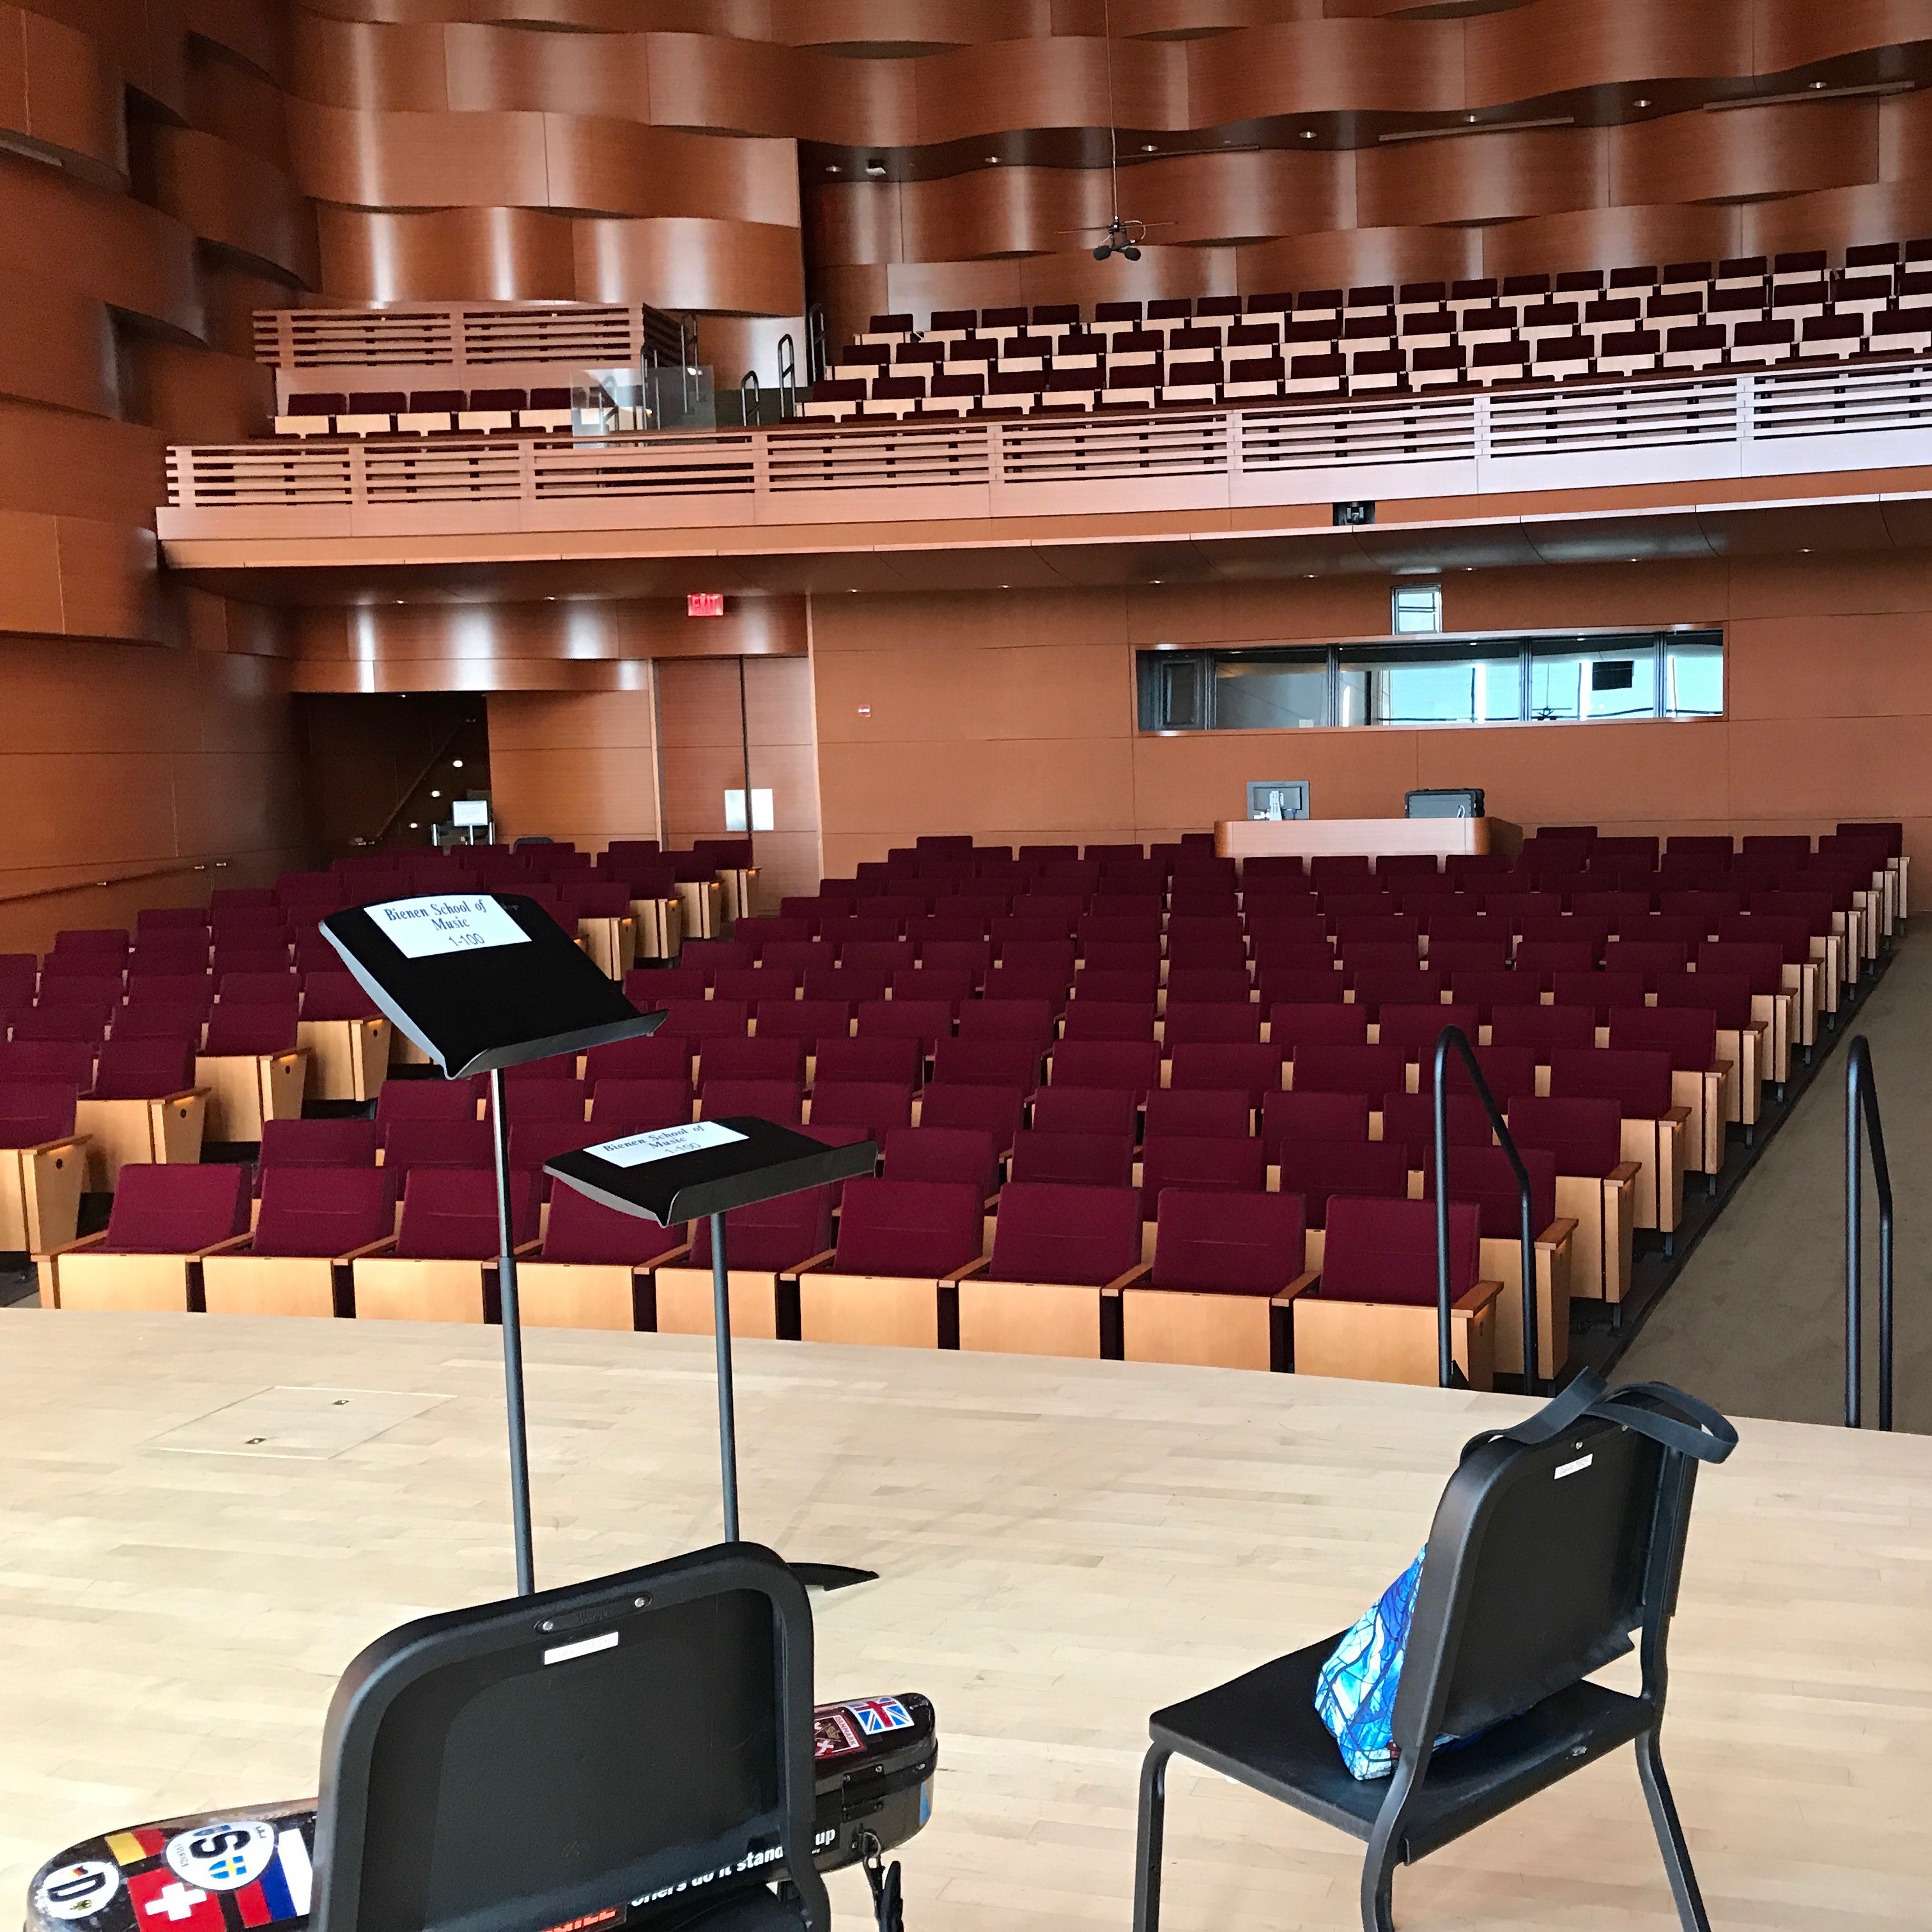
pixel 1670 438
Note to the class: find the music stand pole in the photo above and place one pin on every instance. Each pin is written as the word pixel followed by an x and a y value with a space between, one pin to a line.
pixel 513 1345
pixel 727 1423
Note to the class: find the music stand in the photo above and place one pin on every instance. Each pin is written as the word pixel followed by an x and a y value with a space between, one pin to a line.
pixel 676 1175
pixel 480 982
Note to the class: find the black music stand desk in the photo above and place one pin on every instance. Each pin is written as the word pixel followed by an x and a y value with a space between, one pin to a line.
pixel 677 1173
pixel 480 982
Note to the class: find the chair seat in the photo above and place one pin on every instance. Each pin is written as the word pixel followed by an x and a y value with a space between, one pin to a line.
pixel 1262 1730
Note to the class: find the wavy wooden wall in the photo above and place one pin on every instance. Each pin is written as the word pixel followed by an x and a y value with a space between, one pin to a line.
pixel 146 205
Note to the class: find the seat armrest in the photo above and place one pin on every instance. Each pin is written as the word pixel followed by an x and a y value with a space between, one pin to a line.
pixel 819 1264
pixel 965 1273
pixel 186 1093
pixel 1680 1115
pixel 1310 1283
pixel 1136 1276
pixel 84 1241
pixel 669 1258
pixel 228 1246
pixel 369 1248
pixel 1625 1172
pixel 1480 1295
pixel 1558 1231
pixel 54 1145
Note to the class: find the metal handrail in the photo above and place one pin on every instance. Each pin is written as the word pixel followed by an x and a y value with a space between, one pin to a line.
pixel 1861 1109
pixel 787 360
pixel 123 879
pixel 751 398
pixel 1445 1368
pixel 817 360
pixel 416 784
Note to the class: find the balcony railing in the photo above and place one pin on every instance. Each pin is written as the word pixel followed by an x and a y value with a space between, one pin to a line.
pixel 1712 428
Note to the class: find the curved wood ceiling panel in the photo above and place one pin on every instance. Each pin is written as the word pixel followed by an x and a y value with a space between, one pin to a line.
pixel 1745 154
pixel 1326 66
pixel 731 267
pixel 1553 46
pixel 449 254
pixel 227 195
pixel 1481 177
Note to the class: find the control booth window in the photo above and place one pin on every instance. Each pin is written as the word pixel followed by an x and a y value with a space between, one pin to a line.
pixel 1543 678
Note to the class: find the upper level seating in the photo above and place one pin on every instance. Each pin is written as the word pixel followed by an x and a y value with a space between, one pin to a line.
pixel 1223 350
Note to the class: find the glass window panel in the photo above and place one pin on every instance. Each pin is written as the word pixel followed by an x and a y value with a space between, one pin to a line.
pixel 1580 683
pixel 1414 607
pixel 1694 678
pixel 1272 693
pixel 1441 684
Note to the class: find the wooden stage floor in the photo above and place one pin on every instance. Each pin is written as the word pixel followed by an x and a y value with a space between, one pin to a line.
pixel 1064 1547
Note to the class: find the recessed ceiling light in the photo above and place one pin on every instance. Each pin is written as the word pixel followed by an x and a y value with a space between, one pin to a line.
pixel 833 168
pixel 1148 147
pixel 875 167
pixel 414 827
pixel 1154 580
pixel 1471 118
pixel 456 764
pixel 1643 103
pixel 436 794
pixel 992 160
pixel 1308 133
pixel 1817 83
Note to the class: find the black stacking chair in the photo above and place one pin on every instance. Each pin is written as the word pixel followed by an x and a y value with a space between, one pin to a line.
pixel 637 1748
pixel 1552 1543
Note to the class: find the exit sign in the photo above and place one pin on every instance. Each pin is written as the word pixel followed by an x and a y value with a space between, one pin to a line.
pixel 704 603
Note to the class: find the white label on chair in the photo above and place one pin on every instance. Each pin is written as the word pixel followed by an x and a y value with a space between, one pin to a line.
pixel 589 1646
pixel 426 929
pixel 1570 1468
pixel 665 1144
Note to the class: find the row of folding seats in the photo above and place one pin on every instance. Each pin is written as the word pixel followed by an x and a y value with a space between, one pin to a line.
pixel 365 413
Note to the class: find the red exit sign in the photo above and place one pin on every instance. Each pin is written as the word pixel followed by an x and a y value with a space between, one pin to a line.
pixel 704 603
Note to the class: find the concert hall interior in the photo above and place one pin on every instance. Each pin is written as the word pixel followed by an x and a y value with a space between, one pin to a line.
pixel 890 866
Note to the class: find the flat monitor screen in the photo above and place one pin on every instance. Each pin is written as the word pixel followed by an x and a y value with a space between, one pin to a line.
pixel 516 1792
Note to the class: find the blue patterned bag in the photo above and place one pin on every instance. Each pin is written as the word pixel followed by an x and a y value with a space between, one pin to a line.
pixel 1355 1693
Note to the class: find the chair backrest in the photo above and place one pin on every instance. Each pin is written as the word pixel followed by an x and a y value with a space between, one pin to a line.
pixel 1408 1121
pixel 909 1228
pixel 1211 1113
pixel 1385 1251
pixel 940 1154
pixel 1085 1110
pixel 318 1211
pixel 1506 1070
pixel 876 1105
pixel 335 996
pixel 1483 1176
pixel 132 1069
pixel 173 1210
pixel 925 1022
pixel 1029 1021
pixel 1196 1163
pixel 623 1106
pixel 1543 1557
pixel 658 1056
pixel 1082 1236
pixel 580 1230
pixel 1584 1136
pixel 1321 1172
pixel 1638 1081
pixel 424 1100
pixel 1073 1160
pixel 258 1027
pixel 497 1777
pixel 1318 1117
pixel 1255 1070
pixel 542 1100
pixel 1725 996
pixel 33 1112
pixel 1226 1022
pixel 988 1063
pixel 769 1056
pixel 69 1061
pixel 449 1213
pixel 1229 1244
pixel 1293 1024
pixel 1124 1065
pixel 408 1144
pixel 318 1144
pixel 1686 1033
pixel 699 1020
pixel 1109 1019
pixel 1322 1068
pixel 1542 1028
pixel 780 1100
pixel 772 1234
pixel 995 1110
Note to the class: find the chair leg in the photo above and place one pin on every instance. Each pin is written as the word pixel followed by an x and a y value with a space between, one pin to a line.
pixel 1153 1833
pixel 1670 1835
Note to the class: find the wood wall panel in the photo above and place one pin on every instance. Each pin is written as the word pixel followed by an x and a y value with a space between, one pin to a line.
pixel 223 194
pixel 1830 691
pixel 1481 177
pixel 60 88
pixel 575 766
